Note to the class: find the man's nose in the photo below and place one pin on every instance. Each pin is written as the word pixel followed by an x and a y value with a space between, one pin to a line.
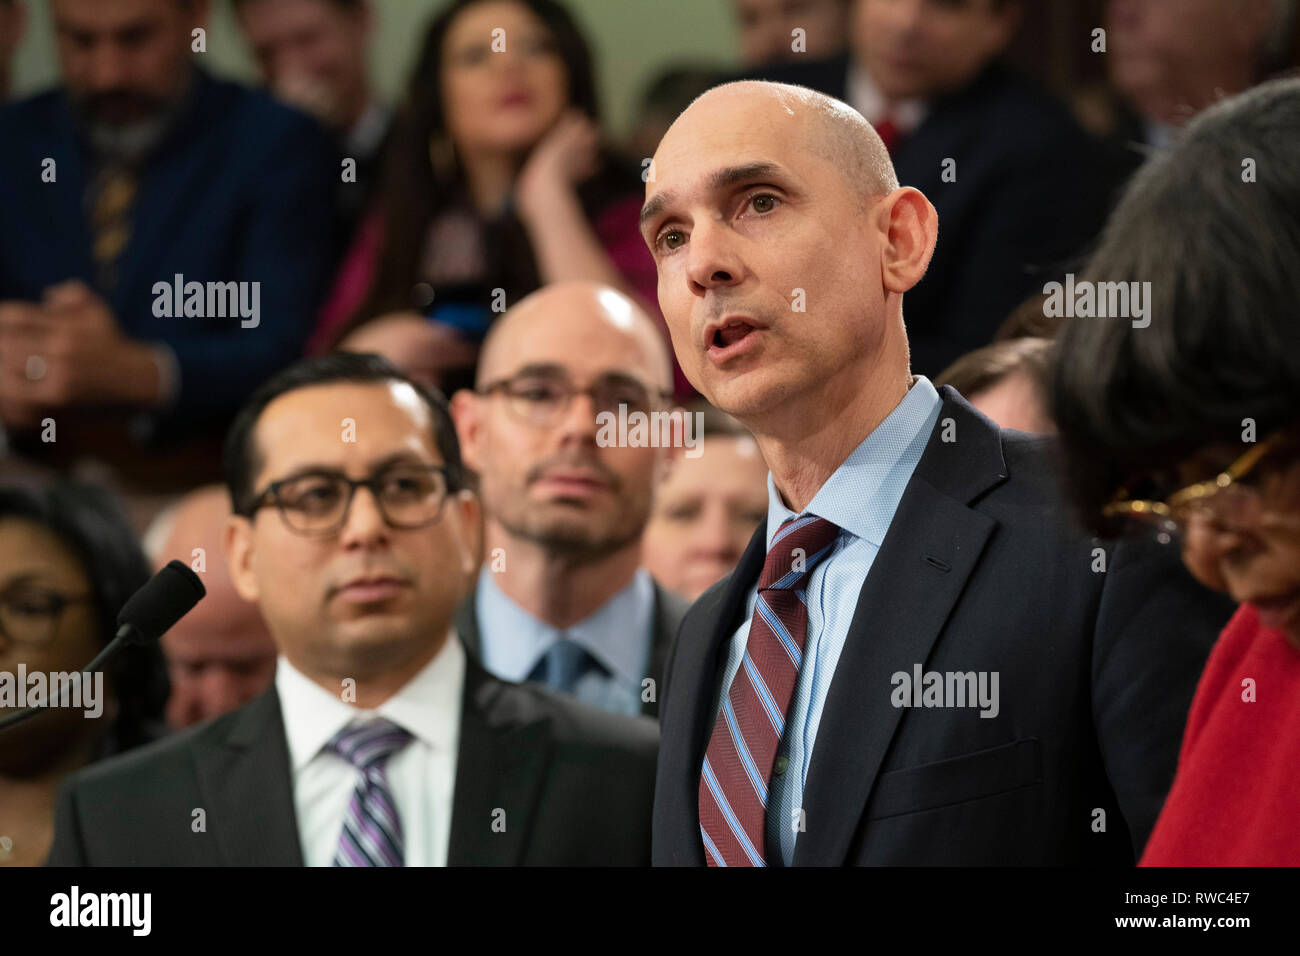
pixel 578 423
pixel 108 67
pixel 712 259
pixel 365 522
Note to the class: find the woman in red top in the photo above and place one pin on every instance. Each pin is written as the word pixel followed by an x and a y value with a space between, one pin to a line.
pixel 1186 422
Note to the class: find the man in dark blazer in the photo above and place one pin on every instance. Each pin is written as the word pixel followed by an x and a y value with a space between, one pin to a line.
pixel 381 742
pixel 918 660
pixel 562 597
pixel 172 227
pixel 1018 185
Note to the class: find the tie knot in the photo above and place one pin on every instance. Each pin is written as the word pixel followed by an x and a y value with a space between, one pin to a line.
pixel 370 744
pixel 562 664
pixel 799 545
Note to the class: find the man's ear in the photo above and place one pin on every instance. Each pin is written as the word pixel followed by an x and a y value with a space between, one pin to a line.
pixel 468 517
pixel 911 228
pixel 239 557
pixel 465 412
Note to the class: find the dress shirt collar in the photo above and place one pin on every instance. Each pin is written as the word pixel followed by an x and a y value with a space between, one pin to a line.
pixel 427 706
pixel 513 641
pixel 865 97
pixel 862 494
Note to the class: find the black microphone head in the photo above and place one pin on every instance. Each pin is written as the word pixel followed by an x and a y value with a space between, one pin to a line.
pixel 165 599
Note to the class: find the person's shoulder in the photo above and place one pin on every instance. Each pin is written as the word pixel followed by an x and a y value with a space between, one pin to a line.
pixel 21 119
pixel 573 725
pixel 168 758
pixel 255 115
pixel 1023 113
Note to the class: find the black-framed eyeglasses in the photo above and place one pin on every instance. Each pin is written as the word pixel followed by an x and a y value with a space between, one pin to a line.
pixel 31 615
pixel 318 503
pixel 540 399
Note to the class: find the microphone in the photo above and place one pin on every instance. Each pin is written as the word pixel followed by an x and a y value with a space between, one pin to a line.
pixel 148 614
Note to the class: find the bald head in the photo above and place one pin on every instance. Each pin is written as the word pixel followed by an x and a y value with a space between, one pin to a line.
pixel 220 655
pixel 827 127
pixel 569 308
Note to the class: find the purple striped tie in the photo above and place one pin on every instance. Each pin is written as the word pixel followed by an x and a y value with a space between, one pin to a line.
pixel 372 829
pixel 747 733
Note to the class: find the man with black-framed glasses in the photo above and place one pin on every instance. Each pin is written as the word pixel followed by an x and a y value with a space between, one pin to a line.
pixel 381 742
pixel 562 598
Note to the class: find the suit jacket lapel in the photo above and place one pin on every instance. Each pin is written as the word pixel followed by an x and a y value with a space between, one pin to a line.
pixel 247 786
pixel 697 669
pixel 668 613
pixel 501 763
pixel 932 546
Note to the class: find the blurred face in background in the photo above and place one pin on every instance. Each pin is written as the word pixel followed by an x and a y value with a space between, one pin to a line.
pixel 312 54
pixel 550 482
pixel 13 22
pixel 923 48
pixel 706 510
pixel 766 29
pixel 501 101
pixel 1171 58
pixel 48 624
pixel 1251 549
pixel 125 62
pixel 220 655
pixel 369 598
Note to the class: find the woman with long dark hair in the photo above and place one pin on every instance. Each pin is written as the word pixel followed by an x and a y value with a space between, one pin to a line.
pixel 68 562
pixel 1186 426
pixel 496 183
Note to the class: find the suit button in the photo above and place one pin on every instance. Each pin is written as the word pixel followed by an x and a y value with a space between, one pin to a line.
pixel 781 764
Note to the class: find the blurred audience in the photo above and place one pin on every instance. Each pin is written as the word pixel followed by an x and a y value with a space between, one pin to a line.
pixel 220 655
pixel 312 54
pixel 496 183
pixel 1018 186
pixel 707 508
pixel 663 98
pixel 1007 382
pixel 163 244
pixel 1188 430
pixel 1170 59
pixel 379 743
pixel 562 597
pixel 13 23
pixel 766 29
pixel 68 562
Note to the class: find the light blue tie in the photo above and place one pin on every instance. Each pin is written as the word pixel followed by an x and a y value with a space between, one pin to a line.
pixel 562 665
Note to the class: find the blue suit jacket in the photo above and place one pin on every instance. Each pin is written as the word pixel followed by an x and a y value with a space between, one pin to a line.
pixel 242 189
pixel 1028 193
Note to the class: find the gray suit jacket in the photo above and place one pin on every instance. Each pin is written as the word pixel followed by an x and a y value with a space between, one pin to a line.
pixel 668 614
pixel 575 783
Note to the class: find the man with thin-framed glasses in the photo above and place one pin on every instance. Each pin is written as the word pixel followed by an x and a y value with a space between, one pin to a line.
pixel 380 743
pixel 562 598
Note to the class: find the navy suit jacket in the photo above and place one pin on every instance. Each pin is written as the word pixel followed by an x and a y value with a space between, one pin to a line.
pixel 241 189
pixel 1031 190
pixel 979 571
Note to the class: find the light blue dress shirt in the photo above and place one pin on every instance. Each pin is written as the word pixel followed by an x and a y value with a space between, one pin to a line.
pixel 618 634
pixel 861 498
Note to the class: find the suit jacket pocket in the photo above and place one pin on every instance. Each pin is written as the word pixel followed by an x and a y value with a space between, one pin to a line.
pixel 984 773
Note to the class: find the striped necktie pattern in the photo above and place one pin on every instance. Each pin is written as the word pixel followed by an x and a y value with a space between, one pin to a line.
pixel 372 829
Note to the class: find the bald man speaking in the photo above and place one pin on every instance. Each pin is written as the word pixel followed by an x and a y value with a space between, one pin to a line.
pixel 561 598
pixel 918 659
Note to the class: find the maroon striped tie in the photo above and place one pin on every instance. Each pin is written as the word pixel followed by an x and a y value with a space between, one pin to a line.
pixel 747 732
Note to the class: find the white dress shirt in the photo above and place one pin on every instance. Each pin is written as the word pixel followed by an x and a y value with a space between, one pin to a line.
pixel 422 775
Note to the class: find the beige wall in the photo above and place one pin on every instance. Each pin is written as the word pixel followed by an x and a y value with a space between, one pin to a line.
pixel 632 40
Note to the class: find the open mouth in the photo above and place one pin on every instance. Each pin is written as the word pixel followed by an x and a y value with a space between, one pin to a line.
pixel 731 333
